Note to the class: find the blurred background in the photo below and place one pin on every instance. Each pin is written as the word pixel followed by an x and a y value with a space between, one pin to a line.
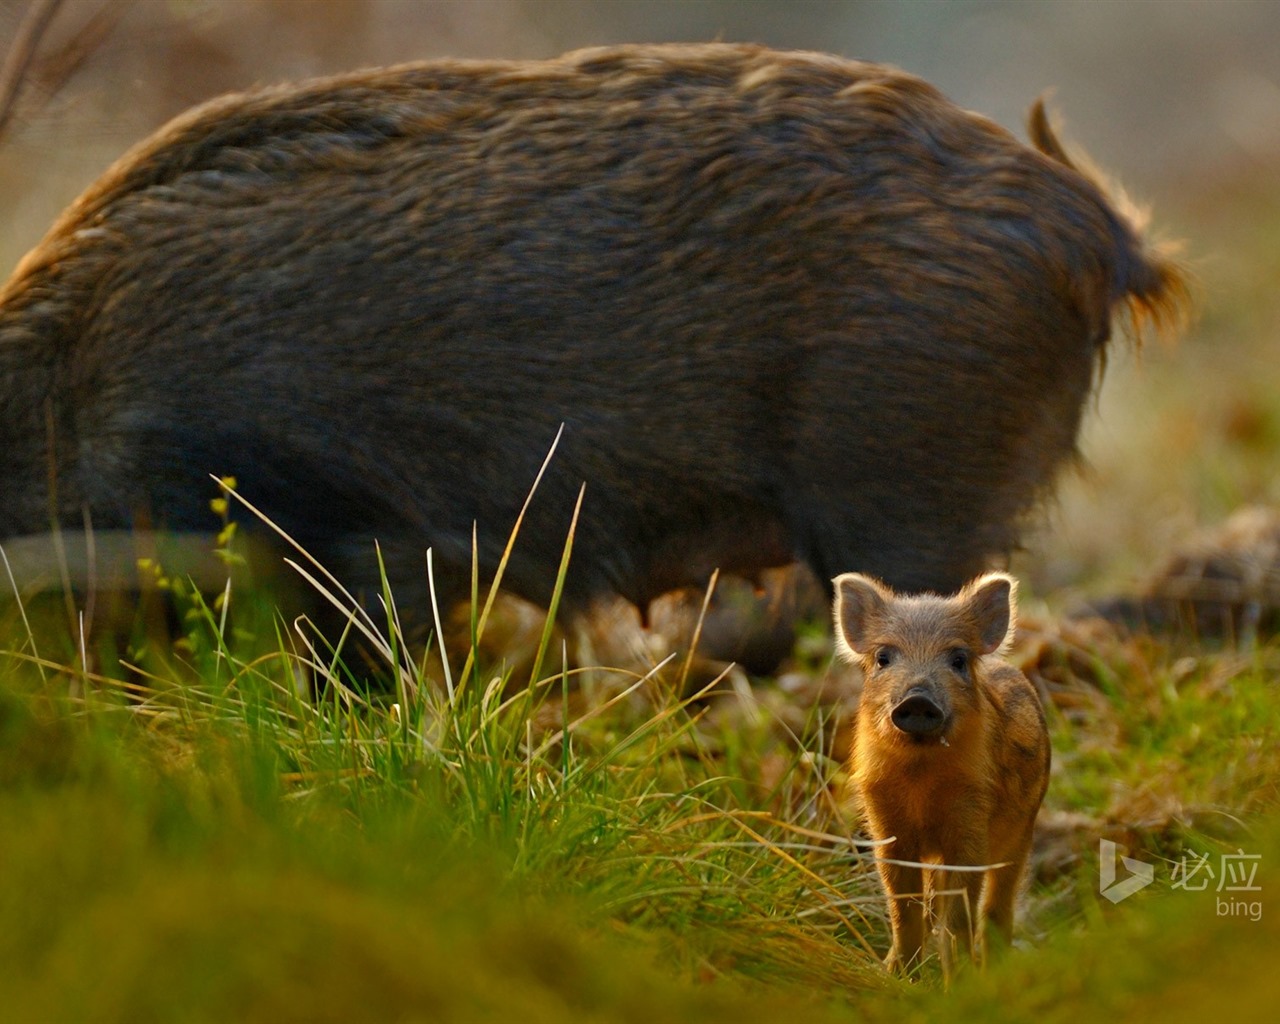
pixel 1179 99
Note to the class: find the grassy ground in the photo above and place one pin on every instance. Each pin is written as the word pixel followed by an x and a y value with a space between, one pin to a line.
pixel 197 842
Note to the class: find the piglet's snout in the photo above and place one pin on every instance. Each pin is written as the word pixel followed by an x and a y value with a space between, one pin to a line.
pixel 918 714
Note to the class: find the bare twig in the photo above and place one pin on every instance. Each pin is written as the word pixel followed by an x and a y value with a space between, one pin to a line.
pixel 23 51
pixel 53 70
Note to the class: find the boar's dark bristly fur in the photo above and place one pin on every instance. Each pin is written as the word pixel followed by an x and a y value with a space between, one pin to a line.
pixel 786 306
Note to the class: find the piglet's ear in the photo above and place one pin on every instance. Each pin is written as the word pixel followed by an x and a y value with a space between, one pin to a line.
pixel 990 602
pixel 859 600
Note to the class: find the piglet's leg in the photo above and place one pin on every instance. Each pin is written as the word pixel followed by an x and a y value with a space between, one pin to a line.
pixel 959 894
pixel 1001 892
pixel 904 887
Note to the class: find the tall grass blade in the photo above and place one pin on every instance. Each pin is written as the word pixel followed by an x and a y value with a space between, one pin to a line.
pixel 549 624
pixel 506 553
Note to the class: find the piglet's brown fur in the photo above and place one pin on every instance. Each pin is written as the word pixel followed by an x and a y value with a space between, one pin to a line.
pixel 950 758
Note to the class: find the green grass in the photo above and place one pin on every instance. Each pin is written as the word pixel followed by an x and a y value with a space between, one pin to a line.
pixel 210 845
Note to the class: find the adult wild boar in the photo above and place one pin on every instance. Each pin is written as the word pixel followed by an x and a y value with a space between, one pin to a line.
pixel 787 306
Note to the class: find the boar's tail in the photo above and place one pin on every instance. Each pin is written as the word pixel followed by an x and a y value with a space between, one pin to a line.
pixel 1149 282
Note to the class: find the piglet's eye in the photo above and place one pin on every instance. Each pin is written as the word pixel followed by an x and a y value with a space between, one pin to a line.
pixel 959 659
pixel 884 657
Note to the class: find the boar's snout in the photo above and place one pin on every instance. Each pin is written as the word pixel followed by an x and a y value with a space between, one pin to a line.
pixel 919 715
